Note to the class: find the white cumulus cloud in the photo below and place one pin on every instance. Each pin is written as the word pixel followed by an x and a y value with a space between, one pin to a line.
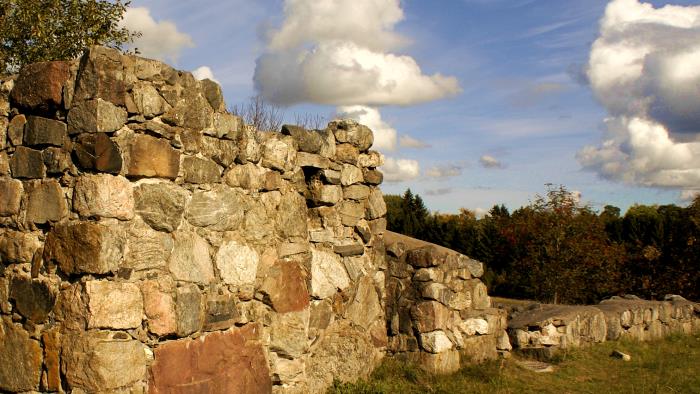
pixel 160 40
pixel 204 72
pixel 400 170
pixel 337 52
pixel 645 69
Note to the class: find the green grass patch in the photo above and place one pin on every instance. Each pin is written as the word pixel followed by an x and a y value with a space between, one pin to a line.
pixel 671 365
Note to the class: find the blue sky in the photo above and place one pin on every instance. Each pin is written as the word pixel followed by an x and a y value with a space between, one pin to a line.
pixel 523 113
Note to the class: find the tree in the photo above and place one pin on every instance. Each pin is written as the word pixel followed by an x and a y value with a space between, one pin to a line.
pixel 42 30
pixel 260 114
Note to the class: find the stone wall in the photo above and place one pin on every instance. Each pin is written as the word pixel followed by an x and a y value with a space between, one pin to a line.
pixel 438 311
pixel 150 241
pixel 544 329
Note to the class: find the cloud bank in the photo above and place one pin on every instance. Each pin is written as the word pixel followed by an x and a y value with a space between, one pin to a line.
pixel 344 53
pixel 159 40
pixel 645 69
pixel 337 52
pixel 204 72
pixel 488 161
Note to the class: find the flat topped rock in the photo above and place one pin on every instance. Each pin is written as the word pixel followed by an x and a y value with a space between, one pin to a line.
pixel 535 366
pixel 544 314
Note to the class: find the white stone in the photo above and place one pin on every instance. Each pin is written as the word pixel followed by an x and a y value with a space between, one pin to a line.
pixel 190 260
pixel 350 175
pixel 435 341
pixel 328 274
pixel 114 304
pixel 474 326
pixel 237 263
pixel 105 196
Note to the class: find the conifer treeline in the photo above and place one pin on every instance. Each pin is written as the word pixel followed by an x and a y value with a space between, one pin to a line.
pixel 555 250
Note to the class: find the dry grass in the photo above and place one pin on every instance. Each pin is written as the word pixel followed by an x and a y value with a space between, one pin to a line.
pixel 668 366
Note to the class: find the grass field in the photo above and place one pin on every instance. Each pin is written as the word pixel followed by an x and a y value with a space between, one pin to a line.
pixel 668 366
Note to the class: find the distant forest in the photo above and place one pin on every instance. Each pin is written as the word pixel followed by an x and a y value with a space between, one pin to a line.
pixel 555 250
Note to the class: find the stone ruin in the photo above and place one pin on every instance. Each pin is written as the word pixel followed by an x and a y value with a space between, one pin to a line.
pixel 152 242
pixel 544 330
pixel 437 309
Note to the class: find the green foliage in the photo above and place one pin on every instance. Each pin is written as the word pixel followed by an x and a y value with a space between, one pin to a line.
pixel 555 250
pixel 41 30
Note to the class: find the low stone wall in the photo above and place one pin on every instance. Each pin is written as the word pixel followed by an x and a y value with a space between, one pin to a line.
pixel 544 329
pixel 150 241
pixel 438 311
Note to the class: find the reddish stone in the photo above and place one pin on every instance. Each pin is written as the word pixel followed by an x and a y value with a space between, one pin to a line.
pixel 285 285
pixel 39 86
pixel 221 362
pixel 153 157
pixel 52 349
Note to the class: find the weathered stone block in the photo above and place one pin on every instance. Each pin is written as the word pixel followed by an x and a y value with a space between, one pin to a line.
pixel 198 170
pixel 227 126
pixel 194 113
pixel 479 296
pixel 228 362
pixel 52 350
pixel 435 341
pixel 285 287
pixel 308 141
pixel 159 306
pixel 220 209
pixel 20 358
pixel 17 246
pixel 372 177
pixel 152 157
pixel 101 75
pixel 190 314
pixel 100 360
pixel 278 153
pixel 43 131
pixel 288 333
pixel 98 152
pixel 440 364
pixel 56 160
pixel 326 194
pixel 425 256
pixel 356 192
pixel 291 216
pixel 10 196
pixel 84 247
pixel 350 175
pixel 366 308
pixel 312 160
pixel 34 299
pixel 46 201
pixel 212 92
pixel 39 86
pixel 351 212
pixel 115 305
pixel 328 274
pixel 370 159
pixel 161 205
pixel 148 249
pixel 349 131
pixel 376 207
pixel 346 153
pixel 95 116
pixel 148 101
pixel 27 163
pixel 237 263
pixel 223 152
pixel 479 348
pixel 349 250
pixel 430 316
pixel 221 312
pixel 103 195
pixel 190 260
pixel 15 130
